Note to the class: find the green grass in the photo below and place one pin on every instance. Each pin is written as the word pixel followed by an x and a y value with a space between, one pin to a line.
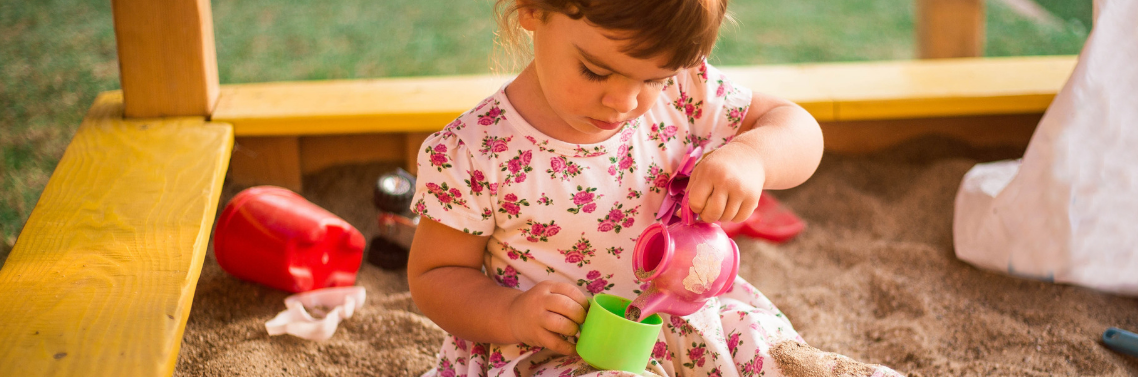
pixel 56 55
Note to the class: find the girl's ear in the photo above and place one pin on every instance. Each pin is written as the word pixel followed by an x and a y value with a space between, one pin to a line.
pixel 529 17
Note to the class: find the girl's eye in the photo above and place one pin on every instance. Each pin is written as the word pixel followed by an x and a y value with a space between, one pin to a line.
pixel 592 76
pixel 656 83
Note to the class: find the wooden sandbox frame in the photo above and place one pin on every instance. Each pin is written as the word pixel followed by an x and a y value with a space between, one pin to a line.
pixel 101 279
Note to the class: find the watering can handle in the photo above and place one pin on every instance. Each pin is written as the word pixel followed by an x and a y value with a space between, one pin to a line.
pixel 685 211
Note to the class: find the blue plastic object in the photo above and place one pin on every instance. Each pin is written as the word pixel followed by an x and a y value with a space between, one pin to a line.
pixel 1121 341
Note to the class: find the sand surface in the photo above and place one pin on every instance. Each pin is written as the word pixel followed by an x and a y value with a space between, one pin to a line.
pixel 873 277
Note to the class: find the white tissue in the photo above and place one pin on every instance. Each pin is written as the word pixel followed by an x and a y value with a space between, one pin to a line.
pixel 298 321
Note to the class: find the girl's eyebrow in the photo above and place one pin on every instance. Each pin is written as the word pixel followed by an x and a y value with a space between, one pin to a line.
pixel 597 62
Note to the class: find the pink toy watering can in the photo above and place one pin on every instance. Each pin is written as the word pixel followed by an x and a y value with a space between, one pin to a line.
pixel 684 261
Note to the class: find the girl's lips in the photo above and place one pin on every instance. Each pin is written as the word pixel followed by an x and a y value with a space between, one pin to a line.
pixel 608 126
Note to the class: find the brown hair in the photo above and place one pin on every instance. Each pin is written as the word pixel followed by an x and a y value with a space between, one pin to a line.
pixel 682 30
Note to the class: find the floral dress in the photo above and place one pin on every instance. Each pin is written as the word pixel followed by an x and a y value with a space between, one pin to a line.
pixel 572 212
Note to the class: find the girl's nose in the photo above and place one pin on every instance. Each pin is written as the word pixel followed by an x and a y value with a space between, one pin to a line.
pixel 621 97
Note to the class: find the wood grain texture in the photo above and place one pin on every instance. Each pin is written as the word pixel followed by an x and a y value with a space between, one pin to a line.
pixel 101 279
pixel 319 152
pixel 949 28
pixel 271 160
pixel 167 58
pixel 864 136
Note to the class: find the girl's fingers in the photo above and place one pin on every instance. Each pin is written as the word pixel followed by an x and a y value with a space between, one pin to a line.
pixel 566 308
pixel 555 342
pixel 732 209
pixel 699 191
pixel 716 206
pixel 559 324
pixel 746 208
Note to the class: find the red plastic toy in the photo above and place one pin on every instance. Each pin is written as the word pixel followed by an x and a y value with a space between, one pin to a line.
pixel 272 236
pixel 771 221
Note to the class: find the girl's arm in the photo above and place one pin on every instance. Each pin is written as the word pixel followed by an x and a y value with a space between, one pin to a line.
pixel 445 275
pixel 779 146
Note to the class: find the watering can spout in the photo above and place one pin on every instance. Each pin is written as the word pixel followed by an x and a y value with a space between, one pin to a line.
pixel 655 301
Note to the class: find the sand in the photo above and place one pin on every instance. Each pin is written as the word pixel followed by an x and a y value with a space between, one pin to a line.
pixel 873 277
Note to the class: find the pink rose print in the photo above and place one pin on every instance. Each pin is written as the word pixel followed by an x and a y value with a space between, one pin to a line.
pixel 493 187
pixel 715 372
pixel 445 368
pixel 702 73
pixel 517 167
pixel 697 355
pixel 487 214
pixel 515 253
pixel 438 159
pixel 735 116
pixel 420 207
pixel 448 197
pixel 496 359
pixel 459 343
pixel 633 194
pixel 595 283
pixel 508 277
pixel 695 139
pixel 479 349
pixel 733 342
pixel 662 134
pixel 476 182
pixel 660 351
pixel 623 163
pixel 562 168
pixel 724 89
pixel 511 206
pixel 617 218
pixel 753 367
pixel 544 200
pixel 693 110
pixel 492 145
pixel 493 116
pixel 583 200
pixel 535 231
pixel 679 326
pixel 580 253
pixel 657 178
pixel 582 152
pixel 615 251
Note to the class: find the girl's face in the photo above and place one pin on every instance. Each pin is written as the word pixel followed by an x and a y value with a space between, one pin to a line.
pixel 588 82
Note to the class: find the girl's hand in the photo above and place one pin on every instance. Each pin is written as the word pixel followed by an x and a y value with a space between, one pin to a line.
pixel 727 183
pixel 546 314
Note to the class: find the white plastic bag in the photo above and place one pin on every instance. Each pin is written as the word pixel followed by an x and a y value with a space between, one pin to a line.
pixel 314 315
pixel 1069 211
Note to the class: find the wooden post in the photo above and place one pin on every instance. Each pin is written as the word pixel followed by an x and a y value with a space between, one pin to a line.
pixel 950 28
pixel 167 59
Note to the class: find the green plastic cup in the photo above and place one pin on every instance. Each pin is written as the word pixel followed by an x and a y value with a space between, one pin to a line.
pixel 608 341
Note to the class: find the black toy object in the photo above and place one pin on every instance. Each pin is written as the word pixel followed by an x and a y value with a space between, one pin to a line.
pixel 392 197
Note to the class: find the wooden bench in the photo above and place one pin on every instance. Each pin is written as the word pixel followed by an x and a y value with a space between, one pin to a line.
pixel 102 277
pixel 285 130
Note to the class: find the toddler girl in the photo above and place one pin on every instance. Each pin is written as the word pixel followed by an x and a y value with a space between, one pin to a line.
pixel 532 201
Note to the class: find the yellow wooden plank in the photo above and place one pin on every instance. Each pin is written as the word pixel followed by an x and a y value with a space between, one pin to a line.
pixel 947 87
pixel 101 279
pixel 831 92
pixel 167 57
pixel 344 107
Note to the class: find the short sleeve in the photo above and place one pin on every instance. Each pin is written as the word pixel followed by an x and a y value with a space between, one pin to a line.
pixel 451 187
pixel 714 107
